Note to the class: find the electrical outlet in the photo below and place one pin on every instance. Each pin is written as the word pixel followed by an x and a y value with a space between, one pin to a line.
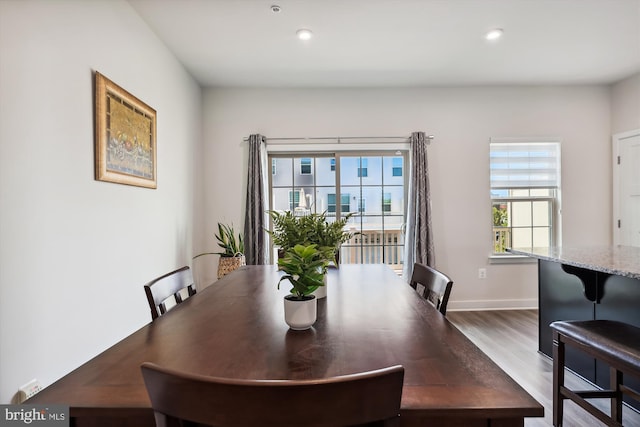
pixel 482 273
pixel 29 389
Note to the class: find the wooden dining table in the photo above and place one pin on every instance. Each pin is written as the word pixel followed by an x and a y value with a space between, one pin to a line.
pixel 235 328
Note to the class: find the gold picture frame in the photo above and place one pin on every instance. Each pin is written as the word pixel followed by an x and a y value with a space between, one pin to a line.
pixel 125 145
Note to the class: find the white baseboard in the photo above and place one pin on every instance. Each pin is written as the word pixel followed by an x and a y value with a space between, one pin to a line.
pixel 483 305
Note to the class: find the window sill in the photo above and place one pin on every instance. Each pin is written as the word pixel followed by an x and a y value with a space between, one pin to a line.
pixel 511 259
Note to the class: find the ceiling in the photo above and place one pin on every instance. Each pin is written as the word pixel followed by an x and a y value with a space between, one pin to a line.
pixel 399 43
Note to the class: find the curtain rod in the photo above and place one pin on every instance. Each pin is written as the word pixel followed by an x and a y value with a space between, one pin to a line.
pixel 346 139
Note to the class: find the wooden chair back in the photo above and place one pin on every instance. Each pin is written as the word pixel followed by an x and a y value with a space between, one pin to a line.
pixel 433 285
pixel 168 286
pixel 349 400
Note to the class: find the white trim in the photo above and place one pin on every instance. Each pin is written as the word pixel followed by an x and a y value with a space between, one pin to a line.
pixel 481 305
pixel 524 139
pixel 615 145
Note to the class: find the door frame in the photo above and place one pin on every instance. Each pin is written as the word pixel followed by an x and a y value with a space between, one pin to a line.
pixel 616 139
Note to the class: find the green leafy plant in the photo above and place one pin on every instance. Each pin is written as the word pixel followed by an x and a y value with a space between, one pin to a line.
pixel 289 231
pixel 500 217
pixel 305 267
pixel 232 246
pixel 332 234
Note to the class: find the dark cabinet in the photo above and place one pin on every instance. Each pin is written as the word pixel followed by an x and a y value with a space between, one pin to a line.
pixel 561 297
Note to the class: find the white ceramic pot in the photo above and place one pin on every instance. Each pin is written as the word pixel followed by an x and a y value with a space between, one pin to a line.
pixel 321 292
pixel 300 314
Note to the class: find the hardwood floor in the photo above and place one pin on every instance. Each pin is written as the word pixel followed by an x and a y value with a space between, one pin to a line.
pixel 510 339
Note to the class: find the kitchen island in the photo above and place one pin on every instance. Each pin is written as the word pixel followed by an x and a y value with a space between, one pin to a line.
pixel 586 283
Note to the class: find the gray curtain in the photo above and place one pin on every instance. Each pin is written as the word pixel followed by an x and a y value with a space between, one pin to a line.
pixel 255 239
pixel 418 244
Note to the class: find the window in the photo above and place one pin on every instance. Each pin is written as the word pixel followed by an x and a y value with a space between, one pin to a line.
pixel 331 203
pixel 386 202
pixel 338 183
pixel 362 168
pixel 305 166
pixel 397 166
pixel 294 200
pixel 525 186
pixel 362 205
pixel 345 205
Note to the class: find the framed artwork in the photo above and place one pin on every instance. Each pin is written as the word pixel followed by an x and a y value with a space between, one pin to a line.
pixel 125 146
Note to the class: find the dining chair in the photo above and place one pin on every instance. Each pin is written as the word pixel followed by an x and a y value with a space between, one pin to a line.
pixel 433 285
pixel 371 397
pixel 169 287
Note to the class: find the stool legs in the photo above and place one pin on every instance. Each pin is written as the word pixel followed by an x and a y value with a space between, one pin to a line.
pixel 615 380
pixel 558 379
pixel 560 393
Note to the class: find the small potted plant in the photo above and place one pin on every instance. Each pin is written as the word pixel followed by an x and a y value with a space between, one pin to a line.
pixel 305 268
pixel 232 257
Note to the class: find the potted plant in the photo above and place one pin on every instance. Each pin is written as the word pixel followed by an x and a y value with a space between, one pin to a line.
pixel 289 230
pixel 232 256
pixel 305 267
pixel 331 234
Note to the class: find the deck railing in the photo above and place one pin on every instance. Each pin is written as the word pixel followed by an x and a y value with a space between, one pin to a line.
pixel 501 239
pixel 375 247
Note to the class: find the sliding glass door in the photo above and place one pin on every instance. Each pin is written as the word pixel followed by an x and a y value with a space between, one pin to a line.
pixel 369 185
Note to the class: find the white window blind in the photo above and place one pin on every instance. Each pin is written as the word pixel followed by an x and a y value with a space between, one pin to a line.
pixel 524 165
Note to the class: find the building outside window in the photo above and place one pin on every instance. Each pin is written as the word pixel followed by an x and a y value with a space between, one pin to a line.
pixel 525 189
pixel 362 205
pixel 362 168
pixel 305 166
pixel 367 184
pixel 386 201
pixel 397 166
pixel 345 206
pixel 294 199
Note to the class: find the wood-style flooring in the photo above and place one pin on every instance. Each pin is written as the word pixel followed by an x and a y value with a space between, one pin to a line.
pixel 510 339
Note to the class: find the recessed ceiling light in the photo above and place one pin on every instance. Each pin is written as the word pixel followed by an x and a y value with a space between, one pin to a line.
pixel 275 8
pixel 494 34
pixel 304 34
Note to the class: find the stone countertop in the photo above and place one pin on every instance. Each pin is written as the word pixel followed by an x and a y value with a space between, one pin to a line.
pixel 618 260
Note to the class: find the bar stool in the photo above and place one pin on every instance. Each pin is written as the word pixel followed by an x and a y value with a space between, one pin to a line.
pixel 616 344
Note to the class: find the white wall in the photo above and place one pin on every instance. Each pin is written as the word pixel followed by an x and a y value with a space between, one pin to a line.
pixel 462 120
pixel 75 252
pixel 625 105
